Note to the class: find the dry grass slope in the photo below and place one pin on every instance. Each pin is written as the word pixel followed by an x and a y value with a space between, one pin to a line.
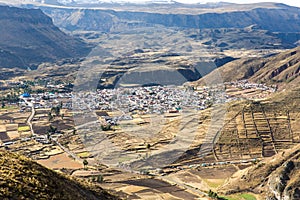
pixel 282 69
pixel 21 178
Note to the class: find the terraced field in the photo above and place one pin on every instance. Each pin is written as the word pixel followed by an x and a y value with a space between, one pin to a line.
pixel 252 130
pixel 13 124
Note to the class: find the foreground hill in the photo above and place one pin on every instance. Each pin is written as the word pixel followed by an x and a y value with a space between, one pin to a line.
pixel 282 69
pixel 21 178
pixel 28 37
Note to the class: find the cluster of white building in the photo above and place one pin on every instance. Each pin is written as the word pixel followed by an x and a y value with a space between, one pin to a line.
pixel 245 84
pixel 144 100
pixel 148 100
pixel 46 100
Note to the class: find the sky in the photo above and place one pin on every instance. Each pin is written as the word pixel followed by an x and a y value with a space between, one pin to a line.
pixel 289 2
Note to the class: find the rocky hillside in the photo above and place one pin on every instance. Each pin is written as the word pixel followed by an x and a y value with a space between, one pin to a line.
pixel 21 178
pixel 282 69
pixel 28 37
pixel 275 178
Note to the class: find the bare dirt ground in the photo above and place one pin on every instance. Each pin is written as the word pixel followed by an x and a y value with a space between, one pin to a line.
pixel 61 161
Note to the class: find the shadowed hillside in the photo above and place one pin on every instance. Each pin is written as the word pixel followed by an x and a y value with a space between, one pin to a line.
pixel 28 37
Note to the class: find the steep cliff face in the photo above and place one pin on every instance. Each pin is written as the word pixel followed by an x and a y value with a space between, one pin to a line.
pixel 28 37
pixel 284 183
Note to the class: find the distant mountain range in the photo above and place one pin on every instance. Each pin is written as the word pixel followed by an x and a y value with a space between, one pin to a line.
pixel 267 16
pixel 99 2
pixel 74 2
pixel 275 24
pixel 26 43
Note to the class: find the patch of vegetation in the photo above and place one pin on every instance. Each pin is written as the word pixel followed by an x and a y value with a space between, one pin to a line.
pixel 214 195
pixel 99 178
pixel 23 128
pixel 247 196
pixel 8 107
pixel 84 154
pixel 244 196
pixel 106 127
pixel 214 184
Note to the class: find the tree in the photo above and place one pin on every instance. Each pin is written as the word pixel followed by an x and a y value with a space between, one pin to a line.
pixel 100 178
pixel 85 163
pixel 48 136
pixel 213 195
pixel 56 110
pixel 149 150
pixel 106 127
pixel 50 117
pixel 52 129
pixel 148 146
pixel 2 104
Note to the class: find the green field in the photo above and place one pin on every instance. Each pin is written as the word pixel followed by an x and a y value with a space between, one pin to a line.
pixel 23 128
pixel 248 196
pixel 244 196
pixel 9 108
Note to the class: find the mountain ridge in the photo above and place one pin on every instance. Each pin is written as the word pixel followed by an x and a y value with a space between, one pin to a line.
pixel 29 37
pixel 282 69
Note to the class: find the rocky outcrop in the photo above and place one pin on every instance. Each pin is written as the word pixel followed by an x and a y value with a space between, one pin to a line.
pixel 284 184
pixel 276 178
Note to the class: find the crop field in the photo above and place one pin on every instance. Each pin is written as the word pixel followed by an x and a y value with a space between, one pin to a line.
pixel 13 124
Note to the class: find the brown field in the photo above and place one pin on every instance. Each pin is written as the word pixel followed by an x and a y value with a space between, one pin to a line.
pixel 61 161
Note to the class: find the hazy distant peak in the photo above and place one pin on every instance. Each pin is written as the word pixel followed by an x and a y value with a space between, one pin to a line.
pixel 68 2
